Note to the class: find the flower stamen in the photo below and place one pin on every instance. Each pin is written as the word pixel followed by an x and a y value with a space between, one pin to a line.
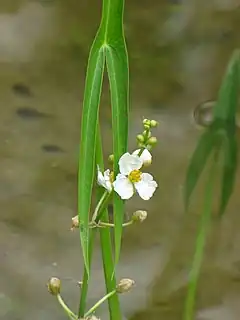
pixel 135 176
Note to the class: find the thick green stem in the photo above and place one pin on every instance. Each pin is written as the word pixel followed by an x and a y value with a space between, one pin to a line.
pixel 200 245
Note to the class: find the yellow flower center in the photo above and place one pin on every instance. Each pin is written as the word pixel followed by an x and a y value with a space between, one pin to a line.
pixel 135 176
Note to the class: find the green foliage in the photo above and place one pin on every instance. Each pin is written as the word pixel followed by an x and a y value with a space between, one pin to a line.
pixel 108 47
pixel 220 141
pixel 221 137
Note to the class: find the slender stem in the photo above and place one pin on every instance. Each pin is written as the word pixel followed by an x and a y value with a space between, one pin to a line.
pixel 111 225
pixel 99 205
pixel 107 296
pixel 66 308
pixel 200 245
pixel 84 286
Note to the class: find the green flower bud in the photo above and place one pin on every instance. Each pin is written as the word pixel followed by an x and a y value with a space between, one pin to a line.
pixel 152 141
pixel 147 122
pixel 146 134
pixel 111 159
pixel 153 123
pixel 139 216
pixel 140 138
pixel 125 285
pixel 54 286
pixel 146 126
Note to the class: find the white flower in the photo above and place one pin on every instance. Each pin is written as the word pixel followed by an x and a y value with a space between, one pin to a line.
pixel 104 179
pixel 131 178
pixel 145 156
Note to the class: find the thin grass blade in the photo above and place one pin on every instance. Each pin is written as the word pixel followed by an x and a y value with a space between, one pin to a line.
pixel 91 102
pixel 229 171
pixel 117 67
pixel 199 158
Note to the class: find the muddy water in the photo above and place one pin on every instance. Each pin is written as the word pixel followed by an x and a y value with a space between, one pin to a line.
pixel 178 52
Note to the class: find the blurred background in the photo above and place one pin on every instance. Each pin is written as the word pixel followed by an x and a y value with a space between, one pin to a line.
pixel 178 53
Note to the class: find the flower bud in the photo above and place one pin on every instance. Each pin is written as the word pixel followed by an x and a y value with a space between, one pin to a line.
pixel 139 216
pixel 111 159
pixel 140 138
pixel 146 134
pixel 152 141
pixel 146 126
pixel 75 223
pixel 153 123
pixel 147 122
pixel 54 286
pixel 125 285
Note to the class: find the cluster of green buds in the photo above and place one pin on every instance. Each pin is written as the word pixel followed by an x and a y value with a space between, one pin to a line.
pixel 145 139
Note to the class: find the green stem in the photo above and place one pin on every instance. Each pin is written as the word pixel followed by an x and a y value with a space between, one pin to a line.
pixel 107 296
pixel 111 225
pixel 200 245
pixel 66 308
pixel 99 205
pixel 84 286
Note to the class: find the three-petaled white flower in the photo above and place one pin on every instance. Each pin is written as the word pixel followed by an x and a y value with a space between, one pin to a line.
pixel 105 179
pixel 131 178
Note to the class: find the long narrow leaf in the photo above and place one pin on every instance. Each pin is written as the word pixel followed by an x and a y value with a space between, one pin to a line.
pixel 199 158
pixel 226 106
pixel 117 67
pixel 88 141
pixel 229 171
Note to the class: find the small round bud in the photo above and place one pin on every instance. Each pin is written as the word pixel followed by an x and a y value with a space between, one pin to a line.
pixel 147 122
pixel 111 159
pixel 152 141
pixel 146 126
pixel 146 134
pixel 54 286
pixel 140 138
pixel 153 123
pixel 125 285
pixel 140 145
pixel 139 216
pixel 75 223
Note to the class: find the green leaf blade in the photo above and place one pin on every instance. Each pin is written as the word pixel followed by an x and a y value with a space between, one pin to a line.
pixel 199 158
pixel 229 171
pixel 117 68
pixel 226 106
pixel 91 103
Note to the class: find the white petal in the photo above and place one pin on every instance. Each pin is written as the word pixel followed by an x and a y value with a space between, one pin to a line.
pixel 123 187
pixel 146 187
pixel 104 179
pixel 145 156
pixel 129 162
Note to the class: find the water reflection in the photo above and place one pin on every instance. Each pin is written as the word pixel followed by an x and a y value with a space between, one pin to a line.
pixel 178 54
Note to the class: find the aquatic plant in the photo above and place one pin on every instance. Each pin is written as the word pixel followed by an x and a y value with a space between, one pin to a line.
pixel 117 184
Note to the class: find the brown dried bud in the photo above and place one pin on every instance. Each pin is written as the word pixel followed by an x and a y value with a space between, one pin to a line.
pixel 75 223
pixel 54 286
pixel 139 215
pixel 125 285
